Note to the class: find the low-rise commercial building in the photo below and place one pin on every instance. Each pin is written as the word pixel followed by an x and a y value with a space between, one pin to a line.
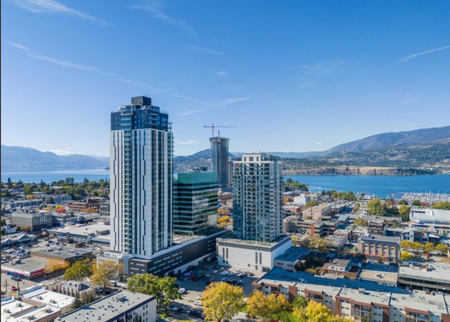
pixel 39 293
pixel 250 254
pixel 14 310
pixel 290 260
pixel 384 247
pixel 425 276
pixel 324 211
pixel 62 254
pixel 36 221
pixel 27 268
pixel 121 306
pixel 186 251
pixel 438 219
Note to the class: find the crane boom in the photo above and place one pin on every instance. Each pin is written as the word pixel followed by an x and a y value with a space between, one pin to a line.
pixel 214 126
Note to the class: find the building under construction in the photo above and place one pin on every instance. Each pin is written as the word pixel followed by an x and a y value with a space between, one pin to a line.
pixel 219 159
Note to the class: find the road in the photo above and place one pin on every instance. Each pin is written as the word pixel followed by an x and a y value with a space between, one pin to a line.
pixel 7 283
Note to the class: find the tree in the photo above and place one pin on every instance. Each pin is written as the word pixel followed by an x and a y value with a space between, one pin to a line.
pixel 441 205
pixel 162 288
pixel 428 247
pixel 272 307
pixel 405 244
pixel 416 203
pixel 222 301
pixel 258 305
pixel 77 303
pixel 104 272
pixel 405 256
pixel 361 222
pixel 313 312
pixel 442 248
pixel 404 212
pixel 53 266
pixel 300 301
pixel 78 271
pixel 311 204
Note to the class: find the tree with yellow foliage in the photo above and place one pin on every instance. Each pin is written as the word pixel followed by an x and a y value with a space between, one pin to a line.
pixel 53 266
pixel 222 301
pixel 316 312
pixel 104 272
pixel 266 308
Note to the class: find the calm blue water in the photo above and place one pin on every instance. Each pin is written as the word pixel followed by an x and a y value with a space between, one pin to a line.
pixel 52 176
pixel 381 186
pixel 378 185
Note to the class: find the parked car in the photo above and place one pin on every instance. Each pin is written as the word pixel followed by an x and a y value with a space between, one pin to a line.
pixel 198 303
pixel 195 313
pixel 230 273
pixel 215 271
pixel 182 290
pixel 13 288
pixel 200 296
pixel 224 273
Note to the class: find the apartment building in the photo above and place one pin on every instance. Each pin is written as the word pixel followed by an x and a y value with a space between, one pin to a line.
pixel 357 300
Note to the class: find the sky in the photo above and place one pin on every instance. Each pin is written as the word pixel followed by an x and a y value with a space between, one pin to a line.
pixel 288 75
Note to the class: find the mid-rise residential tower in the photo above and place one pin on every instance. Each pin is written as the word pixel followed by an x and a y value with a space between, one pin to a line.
pixel 257 187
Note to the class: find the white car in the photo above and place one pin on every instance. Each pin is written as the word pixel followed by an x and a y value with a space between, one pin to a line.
pixel 182 291
pixel 215 271
pixel 230 273
pixel 200 296
pixel 224 273
pixel 198 303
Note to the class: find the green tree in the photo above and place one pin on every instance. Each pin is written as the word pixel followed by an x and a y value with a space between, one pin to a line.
pixel 222 301
pixel 162 288
pixel 361 222
pixel 404 212
pixel 300 301
pixel 78 271
pixel 441 205
pixel 311 204
pixel 416 203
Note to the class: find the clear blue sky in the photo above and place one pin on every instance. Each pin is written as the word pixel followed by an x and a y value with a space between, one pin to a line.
pixel 292 75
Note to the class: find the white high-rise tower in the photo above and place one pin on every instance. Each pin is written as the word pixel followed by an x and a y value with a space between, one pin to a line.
pixel 257 187
pixel 140 178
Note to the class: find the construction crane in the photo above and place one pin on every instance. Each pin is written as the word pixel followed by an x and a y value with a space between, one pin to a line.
pixel 214 126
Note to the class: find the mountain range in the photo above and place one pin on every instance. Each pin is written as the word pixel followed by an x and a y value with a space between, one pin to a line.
pixel 419 148
pixel 20 159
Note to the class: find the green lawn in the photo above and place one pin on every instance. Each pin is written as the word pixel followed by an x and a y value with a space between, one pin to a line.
pixel 244 309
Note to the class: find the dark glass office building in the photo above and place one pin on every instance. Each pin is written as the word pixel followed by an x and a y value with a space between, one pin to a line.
pixel 219 159
pixel 195 202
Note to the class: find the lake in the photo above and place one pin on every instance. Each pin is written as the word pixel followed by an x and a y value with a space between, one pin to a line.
pixel 381 186
pixel 378 185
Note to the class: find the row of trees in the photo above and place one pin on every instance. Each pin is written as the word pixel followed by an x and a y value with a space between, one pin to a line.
pixel 68 186
pixel 222 301
pixel 427 248
pixel 378 207
pixel 295 184
pixel 100 274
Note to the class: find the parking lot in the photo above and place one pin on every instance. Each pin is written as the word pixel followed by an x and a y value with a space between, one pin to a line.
pixel 193 289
